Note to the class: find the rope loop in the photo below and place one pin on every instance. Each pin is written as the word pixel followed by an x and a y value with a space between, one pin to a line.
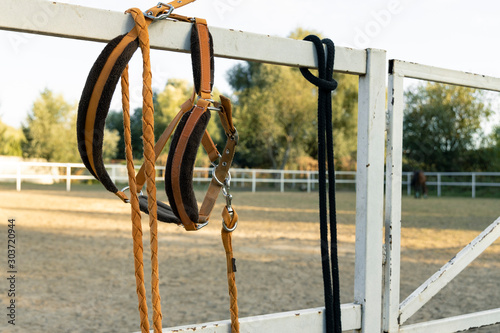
pixel 325 80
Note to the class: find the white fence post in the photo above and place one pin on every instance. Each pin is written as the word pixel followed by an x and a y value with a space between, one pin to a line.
pixel 439 185
pixel 370 191
pixel 18 177
pixel 68 177
pixel 254 181
pixel 473 185
pixel 113 173
pixel 408 188
pixel 282 181
pixel 308 181
pixel 393 203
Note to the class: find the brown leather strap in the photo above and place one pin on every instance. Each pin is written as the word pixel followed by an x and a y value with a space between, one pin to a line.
pixel 221 172
pixel 97 92
pixel 198 110
pixel 226 115
pixel 163 139
pixel 210 147
pixel 204 44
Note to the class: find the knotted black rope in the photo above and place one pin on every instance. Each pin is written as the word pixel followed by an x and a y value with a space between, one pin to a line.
pixel 326 84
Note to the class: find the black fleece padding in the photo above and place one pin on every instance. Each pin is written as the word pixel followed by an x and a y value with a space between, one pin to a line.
pixel 164 212
pixel 187 166
pixel 196 58
pixel 102 108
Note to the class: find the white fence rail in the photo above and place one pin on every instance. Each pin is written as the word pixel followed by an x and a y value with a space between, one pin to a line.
pixel 48 173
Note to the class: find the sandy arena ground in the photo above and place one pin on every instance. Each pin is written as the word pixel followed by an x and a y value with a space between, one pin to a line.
pixel 75 265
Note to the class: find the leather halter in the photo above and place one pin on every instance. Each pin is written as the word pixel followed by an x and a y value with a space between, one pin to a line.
pixel 190 130
pixel 189 124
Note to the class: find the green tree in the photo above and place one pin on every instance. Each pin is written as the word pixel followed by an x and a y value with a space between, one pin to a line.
pixel 495 147
pixel 488 156
pixel 276 115
pixel 275 111
pixel 114 123
pixel 50 129
pixel 442 126
pixel 166 104
pixel 110 145
pixel 10 140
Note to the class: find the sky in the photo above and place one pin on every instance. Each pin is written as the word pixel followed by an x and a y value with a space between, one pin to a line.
pixel 455 34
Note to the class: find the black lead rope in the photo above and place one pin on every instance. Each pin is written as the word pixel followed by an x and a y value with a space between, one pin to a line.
pixel 326 84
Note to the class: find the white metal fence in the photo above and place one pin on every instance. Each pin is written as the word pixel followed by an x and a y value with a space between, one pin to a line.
pixel 280 180
pixel 397 312
pixel 377 264
pixel 84 23
pixel 49 173
pixel 469 181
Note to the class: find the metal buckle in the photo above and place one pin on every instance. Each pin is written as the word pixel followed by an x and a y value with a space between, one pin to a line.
pixel 211 108
pixel 163 16
pixel 126 188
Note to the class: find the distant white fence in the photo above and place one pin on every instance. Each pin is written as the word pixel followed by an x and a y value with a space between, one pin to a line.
pixel 49 173
pixel 454 179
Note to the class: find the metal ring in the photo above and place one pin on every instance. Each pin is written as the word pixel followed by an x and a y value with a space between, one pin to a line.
pixel 126 188
pixel 227 181
pixel 224 226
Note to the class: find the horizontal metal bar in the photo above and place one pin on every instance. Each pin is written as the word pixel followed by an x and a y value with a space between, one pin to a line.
pixel 309 320
pixel 462 184
pixel 487 184
pixel 449 271
pixel 449 174
pixel 455 324
pixel 77 22
pixel 442 75
pixel 446 174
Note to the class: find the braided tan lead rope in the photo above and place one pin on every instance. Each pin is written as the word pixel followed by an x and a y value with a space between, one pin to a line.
pixel 226 232
pixel 135 210
pixel 141 27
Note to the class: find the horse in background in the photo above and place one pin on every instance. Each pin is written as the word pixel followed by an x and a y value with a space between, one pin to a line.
pixel 418 184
